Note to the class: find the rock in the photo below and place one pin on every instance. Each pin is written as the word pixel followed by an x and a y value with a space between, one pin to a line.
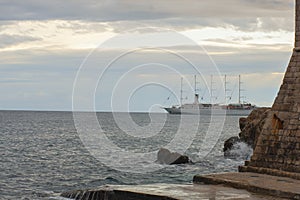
pixel 239 150
pixel 235 148
pixel 242 122
pixel 250 127
pixel 253 126
pixel 164 156
pixel 228 144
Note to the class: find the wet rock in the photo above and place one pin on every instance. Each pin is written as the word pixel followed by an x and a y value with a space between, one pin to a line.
pixel 250 127
pixel 164 156
pixel 239 150
pixel 228 144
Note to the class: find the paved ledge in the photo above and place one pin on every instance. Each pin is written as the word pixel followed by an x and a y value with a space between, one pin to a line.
pixel 163 192
pixel 259 183
pixel 272 172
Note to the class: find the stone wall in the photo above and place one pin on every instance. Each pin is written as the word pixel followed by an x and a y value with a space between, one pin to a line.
pixel 278 146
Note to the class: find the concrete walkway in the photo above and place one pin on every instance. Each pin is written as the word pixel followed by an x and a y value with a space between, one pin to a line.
pixel 164 192
pixel 253 182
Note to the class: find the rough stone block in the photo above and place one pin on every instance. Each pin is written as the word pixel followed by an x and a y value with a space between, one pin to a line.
pixel 294 122
pixel 292 63
pixel 284 107
pixel 289 80
pixel 297 44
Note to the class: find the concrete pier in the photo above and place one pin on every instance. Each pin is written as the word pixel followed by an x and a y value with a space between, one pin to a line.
pixel 165 192
pixel 282 187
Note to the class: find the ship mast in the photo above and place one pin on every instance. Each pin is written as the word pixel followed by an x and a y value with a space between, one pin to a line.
pixel 195 78
pixel 211 88
pixel 196 100
pixel 225 88
pixel 181 82
pixel 240 89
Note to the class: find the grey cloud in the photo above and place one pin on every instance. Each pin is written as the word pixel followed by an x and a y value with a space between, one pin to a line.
pixel 176 14
pixel 71 10
pixel 220 41
pixel 83 27
pixel 180 24
pixel 10 40
pixel 140 10
pixel 273 24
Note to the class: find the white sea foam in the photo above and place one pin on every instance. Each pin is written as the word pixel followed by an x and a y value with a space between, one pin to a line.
pixel 241 150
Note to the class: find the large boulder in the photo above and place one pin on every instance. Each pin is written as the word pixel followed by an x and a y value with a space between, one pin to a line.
pixel 253 126
pixel 250 128
pixel 164 156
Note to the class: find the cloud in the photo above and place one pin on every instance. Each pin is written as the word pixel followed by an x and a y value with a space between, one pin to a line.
pixel 114 10
pixel 52 34
pixel 11 40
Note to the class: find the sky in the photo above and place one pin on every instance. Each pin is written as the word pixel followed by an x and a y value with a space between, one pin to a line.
pixel 110 55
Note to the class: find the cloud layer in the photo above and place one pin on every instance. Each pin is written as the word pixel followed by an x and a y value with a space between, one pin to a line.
pixel 43 43
pixel 111 10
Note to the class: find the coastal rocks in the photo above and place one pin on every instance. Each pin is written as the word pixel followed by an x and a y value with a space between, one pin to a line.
pixel 229 145
pixel 164 156
pixel 250 127
pixel 242 122
pixel 253 126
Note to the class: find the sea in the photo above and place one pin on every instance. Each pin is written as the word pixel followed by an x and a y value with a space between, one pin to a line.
pixel 46 153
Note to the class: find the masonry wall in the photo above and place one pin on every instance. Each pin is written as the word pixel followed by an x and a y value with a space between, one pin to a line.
pixel 278 146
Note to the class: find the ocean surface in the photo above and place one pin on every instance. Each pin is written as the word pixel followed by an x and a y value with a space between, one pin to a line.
pixel 43 154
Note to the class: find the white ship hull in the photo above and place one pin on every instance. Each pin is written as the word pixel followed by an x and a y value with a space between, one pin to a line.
pixel 209 111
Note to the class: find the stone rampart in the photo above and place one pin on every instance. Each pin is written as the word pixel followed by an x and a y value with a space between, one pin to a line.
pixel 278 146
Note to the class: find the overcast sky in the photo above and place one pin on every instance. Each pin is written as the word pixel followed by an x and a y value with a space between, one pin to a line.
pixel 130 55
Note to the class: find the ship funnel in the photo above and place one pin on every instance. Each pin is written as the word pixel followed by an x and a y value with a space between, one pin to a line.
pixel 196 101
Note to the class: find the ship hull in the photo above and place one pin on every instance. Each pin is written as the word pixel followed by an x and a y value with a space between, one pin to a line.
pixel 173 111
pixel 209 111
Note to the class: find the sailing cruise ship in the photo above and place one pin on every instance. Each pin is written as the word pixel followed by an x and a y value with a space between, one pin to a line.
pixel 196 108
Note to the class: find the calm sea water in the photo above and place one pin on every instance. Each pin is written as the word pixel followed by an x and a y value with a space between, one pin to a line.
pixel 42 154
